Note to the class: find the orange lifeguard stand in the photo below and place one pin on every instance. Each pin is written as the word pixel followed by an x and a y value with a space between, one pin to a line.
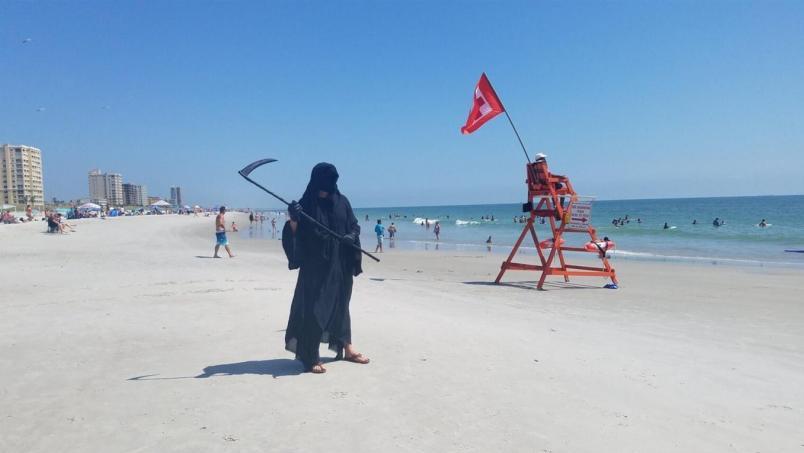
pixel 556 198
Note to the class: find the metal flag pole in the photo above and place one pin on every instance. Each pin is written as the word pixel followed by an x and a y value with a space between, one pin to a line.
pixel 517 135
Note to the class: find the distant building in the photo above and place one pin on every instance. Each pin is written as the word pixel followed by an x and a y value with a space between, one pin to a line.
pixel 97 185
pixel 106 186
pixel 175 196
pixel 21 176
pixel 135 195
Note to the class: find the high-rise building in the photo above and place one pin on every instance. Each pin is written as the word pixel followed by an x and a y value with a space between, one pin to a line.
pixel 106 186
pixel 97 185
pixel 114 186
pixel 175 196
pixel 21 176
pixel 135 195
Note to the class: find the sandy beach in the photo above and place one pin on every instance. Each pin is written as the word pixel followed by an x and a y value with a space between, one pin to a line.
pixel 125 336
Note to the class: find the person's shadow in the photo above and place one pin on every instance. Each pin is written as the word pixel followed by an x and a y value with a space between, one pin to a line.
pixel 274 367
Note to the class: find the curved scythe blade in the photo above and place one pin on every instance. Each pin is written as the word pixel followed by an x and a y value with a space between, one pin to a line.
pixel 254 165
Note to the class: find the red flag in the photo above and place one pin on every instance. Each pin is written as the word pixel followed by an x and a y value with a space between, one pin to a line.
pixel 486 106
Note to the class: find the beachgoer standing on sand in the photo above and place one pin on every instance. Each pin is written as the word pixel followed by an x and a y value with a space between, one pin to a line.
pixel 273 226
pixel 220 233
pixel 320 309
pixel 380 231
pixel 29 213
pixel 437 230
pixel 250 218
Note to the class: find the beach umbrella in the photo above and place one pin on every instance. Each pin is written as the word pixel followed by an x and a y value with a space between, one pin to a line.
pixel 89 207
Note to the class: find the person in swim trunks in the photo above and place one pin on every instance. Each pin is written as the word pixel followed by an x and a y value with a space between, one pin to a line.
pixel 220 233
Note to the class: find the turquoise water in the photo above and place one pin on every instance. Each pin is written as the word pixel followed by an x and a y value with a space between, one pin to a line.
pixel 740 240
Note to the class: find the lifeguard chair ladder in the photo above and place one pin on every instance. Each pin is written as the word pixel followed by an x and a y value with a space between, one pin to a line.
pixel 554 198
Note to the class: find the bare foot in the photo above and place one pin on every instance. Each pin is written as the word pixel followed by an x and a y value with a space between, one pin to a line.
pixel 318 368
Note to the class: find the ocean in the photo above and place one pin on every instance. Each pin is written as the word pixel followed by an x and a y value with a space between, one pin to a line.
pixel 739 241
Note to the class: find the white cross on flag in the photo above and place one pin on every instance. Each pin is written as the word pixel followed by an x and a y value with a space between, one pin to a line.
pixel 485 106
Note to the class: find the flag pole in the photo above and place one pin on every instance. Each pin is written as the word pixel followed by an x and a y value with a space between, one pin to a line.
pixel 517 135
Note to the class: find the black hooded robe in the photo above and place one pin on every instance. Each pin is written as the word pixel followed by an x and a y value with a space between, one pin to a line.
pixel 319 312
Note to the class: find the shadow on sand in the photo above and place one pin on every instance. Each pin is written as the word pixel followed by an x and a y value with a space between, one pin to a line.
pixel 532 285
pixel 272 367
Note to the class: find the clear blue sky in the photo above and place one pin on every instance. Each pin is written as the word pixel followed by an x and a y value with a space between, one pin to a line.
pixel 631 99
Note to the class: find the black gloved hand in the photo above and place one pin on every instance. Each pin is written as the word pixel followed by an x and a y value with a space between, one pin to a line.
pixel 294 211
pixel 349 239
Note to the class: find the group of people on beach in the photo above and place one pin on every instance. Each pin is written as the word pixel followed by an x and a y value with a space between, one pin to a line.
pixel 257 218
pixel 57 224
pixel 8 217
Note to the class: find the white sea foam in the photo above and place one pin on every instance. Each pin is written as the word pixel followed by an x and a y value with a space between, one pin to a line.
pixel 466 222
pixel 710 259
pixel 420 220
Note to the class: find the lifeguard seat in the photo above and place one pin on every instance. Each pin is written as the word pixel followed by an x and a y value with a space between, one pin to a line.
pixel 555 196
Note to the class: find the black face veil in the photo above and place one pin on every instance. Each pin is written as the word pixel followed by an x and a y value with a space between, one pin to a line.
pixel 323 177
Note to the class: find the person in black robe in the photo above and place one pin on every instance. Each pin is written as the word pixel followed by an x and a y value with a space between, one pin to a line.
pixel 319 312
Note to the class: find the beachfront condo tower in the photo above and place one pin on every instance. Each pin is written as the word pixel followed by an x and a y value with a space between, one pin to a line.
pixel 175 196
pixel 21 176
pixel 106 186
pixel 135 195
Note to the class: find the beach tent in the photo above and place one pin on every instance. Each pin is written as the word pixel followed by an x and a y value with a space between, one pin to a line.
pixel 89 207
pixel 159 204
pixel 8 206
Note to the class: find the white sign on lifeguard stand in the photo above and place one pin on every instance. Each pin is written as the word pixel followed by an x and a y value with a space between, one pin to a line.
pixel 581 214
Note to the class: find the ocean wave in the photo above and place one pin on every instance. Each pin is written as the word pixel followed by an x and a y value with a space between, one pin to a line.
pixel 466 222
pixel 420 220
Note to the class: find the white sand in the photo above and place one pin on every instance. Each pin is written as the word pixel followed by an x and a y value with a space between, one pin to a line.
pixel 102 333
